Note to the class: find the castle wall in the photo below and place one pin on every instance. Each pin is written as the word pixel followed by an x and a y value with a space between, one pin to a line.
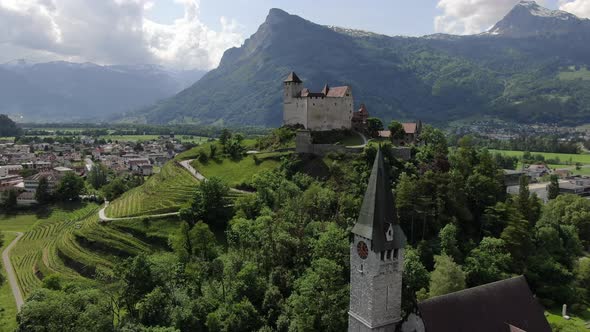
pixel 329 113
pixel 295 111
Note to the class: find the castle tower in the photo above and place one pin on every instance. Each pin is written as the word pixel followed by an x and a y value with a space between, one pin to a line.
pixel 376 259
pixel 293 86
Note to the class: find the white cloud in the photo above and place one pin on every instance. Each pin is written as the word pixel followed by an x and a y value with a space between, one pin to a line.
pixel 580 8
pixel 471 16
pixel 111 31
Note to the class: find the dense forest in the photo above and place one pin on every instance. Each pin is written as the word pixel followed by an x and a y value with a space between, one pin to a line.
pixel 277 260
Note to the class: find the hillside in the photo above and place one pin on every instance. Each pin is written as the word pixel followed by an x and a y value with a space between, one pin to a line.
pixel 64 92
pixel 515 71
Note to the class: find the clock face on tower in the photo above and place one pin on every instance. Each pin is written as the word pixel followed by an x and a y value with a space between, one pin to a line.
pixel 362 250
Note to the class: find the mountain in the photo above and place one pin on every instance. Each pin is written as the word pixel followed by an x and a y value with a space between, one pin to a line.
pixel 527 19
pixel 64 91
pixel 533 66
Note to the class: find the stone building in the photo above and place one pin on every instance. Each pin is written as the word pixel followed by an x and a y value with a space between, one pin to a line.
pixel 376 259
pixel 330 109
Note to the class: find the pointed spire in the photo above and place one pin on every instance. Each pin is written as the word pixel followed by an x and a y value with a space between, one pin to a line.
pixel 293 78
pixel 326 89
pixel 377 213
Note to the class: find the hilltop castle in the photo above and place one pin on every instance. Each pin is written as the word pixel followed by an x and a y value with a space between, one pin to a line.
pixel 330 109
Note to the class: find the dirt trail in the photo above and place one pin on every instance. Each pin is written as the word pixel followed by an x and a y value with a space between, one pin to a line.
pixel 12 280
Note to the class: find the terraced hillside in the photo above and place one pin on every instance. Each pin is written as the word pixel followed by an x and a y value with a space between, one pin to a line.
pixel 72 243
pixel 32 258
pixel 161 193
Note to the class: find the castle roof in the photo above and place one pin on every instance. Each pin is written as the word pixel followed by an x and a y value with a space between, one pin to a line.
pixel 488 308
pixel 410 128
pixel 377 213
pixel 293 78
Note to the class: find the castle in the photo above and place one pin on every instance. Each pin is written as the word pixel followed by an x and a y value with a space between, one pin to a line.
pixel 330 109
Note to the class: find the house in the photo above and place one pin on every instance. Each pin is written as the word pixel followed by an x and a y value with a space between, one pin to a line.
pixel 536 171
pixel 359 118
pixel 145 170
pixel 329 109
pixel 10 170
pixel 10 181
pixel 412 131
pixel 26 198
pixel 32 182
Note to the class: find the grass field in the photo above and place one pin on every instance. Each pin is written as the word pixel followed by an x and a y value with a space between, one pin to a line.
pixel 577 323
pixel 234 173
pixel 582 74
pixel 164 192
pixel 563 157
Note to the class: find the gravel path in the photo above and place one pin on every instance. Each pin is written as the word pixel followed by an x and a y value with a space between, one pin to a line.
pixel 12 280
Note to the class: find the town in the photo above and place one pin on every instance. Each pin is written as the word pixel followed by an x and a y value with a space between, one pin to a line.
pixel 22 166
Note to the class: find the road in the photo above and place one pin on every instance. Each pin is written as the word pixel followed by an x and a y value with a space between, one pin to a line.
pixel 102 216
pixel 12 280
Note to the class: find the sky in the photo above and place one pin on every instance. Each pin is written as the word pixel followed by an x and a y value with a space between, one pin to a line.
pixel 193 34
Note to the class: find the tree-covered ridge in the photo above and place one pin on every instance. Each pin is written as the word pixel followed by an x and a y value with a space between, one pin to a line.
pixel 539 78
pixel 259 263
pixel 8 128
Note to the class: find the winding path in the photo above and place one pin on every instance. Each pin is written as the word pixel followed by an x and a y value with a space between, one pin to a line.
pixel 102 216
pixel 12 280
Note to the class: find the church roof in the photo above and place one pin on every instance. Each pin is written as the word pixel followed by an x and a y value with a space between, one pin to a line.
pixel 377 212
pixel 293 78
pixel 498 306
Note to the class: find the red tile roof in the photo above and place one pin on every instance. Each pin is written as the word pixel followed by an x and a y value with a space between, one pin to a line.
pixel 410 128
pixel 339 91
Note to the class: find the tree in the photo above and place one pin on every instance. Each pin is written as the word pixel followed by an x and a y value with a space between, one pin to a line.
pixel 517 239
pixel 415 277
pixel 569 210
pixel 448 236
pixel 9 199
pixel 306 310
pixel 225 137
pixel 553 187
pixel 447 277
pixel 208 203
pixel 583 277
pixel 42 195
pixel 97 177
pixel 374 125
pixel 488 262
pixel 57 311
pixel 70 187
pixel 396 129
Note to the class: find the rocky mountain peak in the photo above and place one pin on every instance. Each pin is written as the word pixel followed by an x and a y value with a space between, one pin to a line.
pixel 528 18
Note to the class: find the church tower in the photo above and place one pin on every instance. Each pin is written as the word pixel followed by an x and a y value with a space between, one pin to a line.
pixel 376 259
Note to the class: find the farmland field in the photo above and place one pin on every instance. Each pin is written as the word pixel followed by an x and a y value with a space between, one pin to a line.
pixel 563 157
pixel 164 192
pixel 233 172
